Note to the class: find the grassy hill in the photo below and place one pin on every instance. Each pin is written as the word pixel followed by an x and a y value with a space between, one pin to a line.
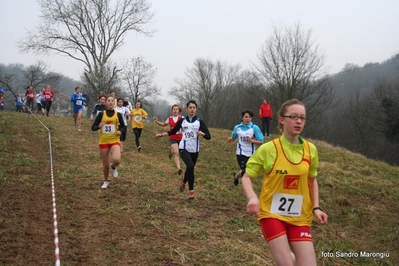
pixel 143 219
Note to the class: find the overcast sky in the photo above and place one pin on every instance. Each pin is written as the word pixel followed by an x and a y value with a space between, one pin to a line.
pixel 233 31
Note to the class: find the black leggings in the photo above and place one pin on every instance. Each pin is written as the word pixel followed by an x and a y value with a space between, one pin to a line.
pixel 190 159
pixel 242 162
pixel 29 104
pixel 266 126
pixel 47 106
pixel 137 133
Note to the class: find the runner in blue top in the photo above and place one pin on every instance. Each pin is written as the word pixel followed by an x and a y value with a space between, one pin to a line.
pixel 248 134
pixel 77 100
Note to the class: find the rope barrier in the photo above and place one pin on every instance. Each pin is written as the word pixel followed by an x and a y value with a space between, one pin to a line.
pixel 55 223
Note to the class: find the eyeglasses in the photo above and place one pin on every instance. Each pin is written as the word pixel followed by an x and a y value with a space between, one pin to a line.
pixel 295 117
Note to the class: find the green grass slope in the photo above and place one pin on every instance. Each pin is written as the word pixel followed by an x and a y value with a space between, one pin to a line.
pixel 143 219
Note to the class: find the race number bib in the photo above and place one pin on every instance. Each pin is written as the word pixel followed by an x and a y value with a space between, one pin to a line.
pixel 47 96
pixel 189 134
pixel 243 139
pixel 108 129
pixel 286 204
pixel 138 118
pixel 78 102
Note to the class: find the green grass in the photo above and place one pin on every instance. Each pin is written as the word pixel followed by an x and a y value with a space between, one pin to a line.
pixel 143 219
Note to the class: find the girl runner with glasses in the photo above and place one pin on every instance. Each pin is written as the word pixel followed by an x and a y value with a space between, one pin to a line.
pixel 290 193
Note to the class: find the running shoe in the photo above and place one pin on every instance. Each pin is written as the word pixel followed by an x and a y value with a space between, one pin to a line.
pixel 105 184
pixel 236 181
pixel 114 171
pixel 191 194
pixel 179 171
pixel 139 148
pixel 79 130
pixel 170 154
pixel 182 185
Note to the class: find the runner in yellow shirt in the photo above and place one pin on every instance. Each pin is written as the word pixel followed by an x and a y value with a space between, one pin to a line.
pixel 138 115
pixel 111 126
pixel 290 194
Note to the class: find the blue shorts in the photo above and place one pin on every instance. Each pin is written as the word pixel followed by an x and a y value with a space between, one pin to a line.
pixel 77 108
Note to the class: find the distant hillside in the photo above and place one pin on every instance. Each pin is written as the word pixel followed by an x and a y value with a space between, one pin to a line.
pixel 354 77
pixel 143 219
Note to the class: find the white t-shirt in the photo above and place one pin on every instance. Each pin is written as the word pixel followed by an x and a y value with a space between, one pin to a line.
pixel 123 111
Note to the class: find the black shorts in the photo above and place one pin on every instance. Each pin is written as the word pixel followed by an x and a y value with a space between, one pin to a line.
pixel 173 141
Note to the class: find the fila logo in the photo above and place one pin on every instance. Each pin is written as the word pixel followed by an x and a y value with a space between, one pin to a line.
pixel 306 234
pixel 281 172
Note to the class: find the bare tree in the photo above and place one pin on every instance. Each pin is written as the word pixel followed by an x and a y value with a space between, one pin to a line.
pixel 348 67
pixel 138 79
pixel 111 82
pixel 290 66
pixel 205 83
pixel 89 31
pixel 386 93
pixel 6 82
pixel 37 76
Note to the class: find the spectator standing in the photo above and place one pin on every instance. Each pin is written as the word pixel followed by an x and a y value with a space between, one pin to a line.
pixel 265 115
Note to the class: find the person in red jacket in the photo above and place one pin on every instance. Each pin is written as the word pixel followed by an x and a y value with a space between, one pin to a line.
pixel 48 95
pixel 266 115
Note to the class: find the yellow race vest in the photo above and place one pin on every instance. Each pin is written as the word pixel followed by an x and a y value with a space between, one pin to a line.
pixel 285 191
pixel 108 131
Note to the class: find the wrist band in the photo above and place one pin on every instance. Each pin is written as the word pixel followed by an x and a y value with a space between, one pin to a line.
pixel 316 208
